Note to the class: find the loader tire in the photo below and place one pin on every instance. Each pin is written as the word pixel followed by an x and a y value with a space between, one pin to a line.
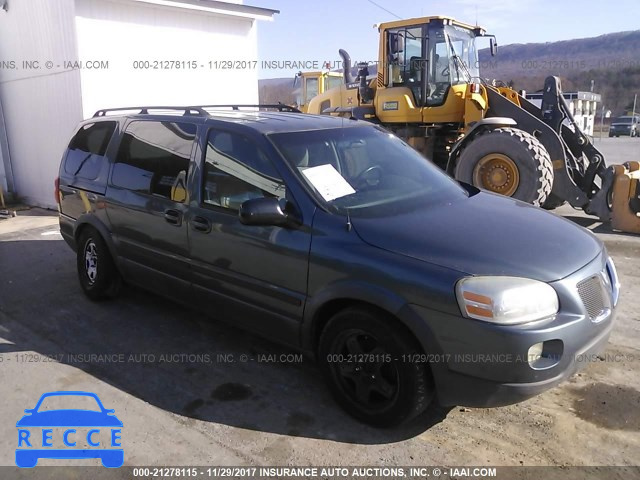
pixel 508 161
pixel 553 201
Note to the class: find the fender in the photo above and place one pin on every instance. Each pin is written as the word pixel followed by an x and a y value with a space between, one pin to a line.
pixel 476 127
pixel 90 219
pixel 374 295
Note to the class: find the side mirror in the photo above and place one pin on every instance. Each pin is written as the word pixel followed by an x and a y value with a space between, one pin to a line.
pixel 396 41
pixel 267 211
pixel 493 46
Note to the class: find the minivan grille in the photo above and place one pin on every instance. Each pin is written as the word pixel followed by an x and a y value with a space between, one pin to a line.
pixel 591 293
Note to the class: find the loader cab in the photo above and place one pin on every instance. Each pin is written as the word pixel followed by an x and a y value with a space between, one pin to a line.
pixel 427 64
pixel 308 85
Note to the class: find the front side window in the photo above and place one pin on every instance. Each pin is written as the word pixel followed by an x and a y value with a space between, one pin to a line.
pixel 154 158
pixel 236 170
pixel 87 148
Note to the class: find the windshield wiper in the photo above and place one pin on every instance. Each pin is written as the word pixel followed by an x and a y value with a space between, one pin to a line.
pixel 458 60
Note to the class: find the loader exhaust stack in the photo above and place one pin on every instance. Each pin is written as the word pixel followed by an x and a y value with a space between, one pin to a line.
pixel 346 65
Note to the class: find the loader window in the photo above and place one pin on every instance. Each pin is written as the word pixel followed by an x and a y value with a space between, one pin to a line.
pixel 311 89
pixel 452 60
pixel 333 82
pixel 406 59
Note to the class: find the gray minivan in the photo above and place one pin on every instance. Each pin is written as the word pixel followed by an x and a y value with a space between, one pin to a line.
pixel 337 238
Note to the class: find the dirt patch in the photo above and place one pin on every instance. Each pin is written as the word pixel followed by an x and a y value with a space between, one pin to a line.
pixel 610 406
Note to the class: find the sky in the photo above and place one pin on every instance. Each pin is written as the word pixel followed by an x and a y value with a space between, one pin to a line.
pixel 312 31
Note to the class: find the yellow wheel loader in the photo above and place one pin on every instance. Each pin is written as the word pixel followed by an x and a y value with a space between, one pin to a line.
pixel 309 84
pixel 428 91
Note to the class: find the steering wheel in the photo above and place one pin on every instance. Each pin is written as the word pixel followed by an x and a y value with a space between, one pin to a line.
pixel 369 177
pixel 445 71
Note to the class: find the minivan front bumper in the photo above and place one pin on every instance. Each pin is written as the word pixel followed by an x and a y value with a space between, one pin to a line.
pixel 480 364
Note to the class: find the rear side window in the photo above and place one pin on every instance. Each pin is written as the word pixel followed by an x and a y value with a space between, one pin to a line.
pixel 87 148
pixel 154 158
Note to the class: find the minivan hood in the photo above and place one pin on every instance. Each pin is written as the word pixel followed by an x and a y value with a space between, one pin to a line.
pixel 485 234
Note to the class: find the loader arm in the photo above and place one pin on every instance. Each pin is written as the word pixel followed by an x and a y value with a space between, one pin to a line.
pixel 584 161
pixel 576 162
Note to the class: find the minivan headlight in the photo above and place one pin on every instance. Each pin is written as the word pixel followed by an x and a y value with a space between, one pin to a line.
pixel 506 300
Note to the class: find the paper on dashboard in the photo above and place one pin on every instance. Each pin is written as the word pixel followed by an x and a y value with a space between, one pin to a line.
pixel 328 182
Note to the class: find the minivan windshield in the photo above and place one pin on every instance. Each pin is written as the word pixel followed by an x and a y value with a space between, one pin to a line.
pixel 365 170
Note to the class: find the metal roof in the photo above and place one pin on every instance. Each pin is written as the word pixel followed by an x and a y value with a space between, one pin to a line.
pixel 217 6
pixel 424 20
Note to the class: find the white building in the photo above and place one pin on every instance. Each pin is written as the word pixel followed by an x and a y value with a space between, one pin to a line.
pixel 61 60
pixel 582 105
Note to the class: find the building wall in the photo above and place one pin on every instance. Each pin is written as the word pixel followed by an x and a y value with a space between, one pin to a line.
pixel 41 105
pixel 125 32
pixel 584 112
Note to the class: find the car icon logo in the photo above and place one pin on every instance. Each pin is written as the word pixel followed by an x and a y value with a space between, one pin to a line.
pixel 69 433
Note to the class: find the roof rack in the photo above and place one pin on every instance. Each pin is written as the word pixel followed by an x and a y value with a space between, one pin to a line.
pixel 198 110
pixel 145 110
pixel 278 106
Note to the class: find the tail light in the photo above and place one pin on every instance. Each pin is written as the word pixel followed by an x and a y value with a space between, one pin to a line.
pixel 57 189
pixel 475 88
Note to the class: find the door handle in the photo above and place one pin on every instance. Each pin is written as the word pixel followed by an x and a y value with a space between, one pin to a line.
pixel 174 217
pixel 201 224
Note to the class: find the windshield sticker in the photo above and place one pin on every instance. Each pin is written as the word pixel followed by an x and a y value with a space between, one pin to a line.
pixel 328 182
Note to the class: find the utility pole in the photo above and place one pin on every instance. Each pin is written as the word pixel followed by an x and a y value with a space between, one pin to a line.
pixel 635 99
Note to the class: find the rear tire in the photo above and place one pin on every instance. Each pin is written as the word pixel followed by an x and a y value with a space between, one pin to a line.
pixel 98 275
pixel 365 357
pixel 508 161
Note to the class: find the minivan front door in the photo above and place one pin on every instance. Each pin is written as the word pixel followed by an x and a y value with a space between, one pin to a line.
pixel 254 276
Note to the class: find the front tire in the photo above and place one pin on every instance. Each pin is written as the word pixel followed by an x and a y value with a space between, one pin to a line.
pixel 510 162
pixel 369 361
pixel 98 275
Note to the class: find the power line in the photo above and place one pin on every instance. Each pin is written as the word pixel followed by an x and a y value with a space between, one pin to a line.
pixel 382 8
